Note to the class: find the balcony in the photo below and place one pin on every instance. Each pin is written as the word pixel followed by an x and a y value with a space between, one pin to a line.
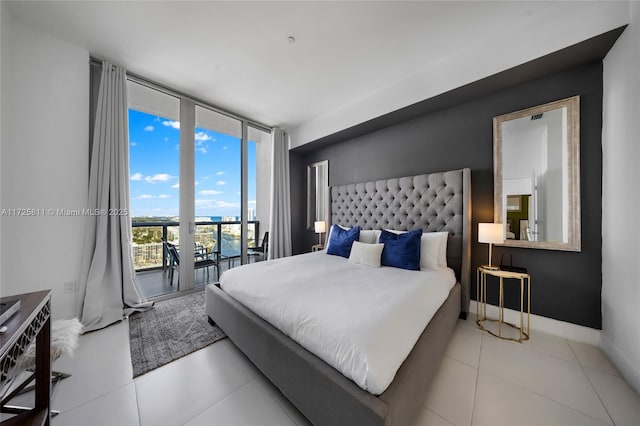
pixel 151 259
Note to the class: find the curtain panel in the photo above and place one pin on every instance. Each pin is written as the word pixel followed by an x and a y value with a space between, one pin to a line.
pixel 280 226
pixel 108 289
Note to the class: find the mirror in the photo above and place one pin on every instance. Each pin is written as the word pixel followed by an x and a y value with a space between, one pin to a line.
pixel 317 193
pixel 536 164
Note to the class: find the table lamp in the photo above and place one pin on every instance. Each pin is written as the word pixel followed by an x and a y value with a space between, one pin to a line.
pixel 320 227
pixel 491 233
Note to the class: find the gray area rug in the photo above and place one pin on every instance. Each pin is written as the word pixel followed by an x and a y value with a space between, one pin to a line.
pixel 172 329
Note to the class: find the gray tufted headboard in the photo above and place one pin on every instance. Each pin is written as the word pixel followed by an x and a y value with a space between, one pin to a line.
pixel 432 202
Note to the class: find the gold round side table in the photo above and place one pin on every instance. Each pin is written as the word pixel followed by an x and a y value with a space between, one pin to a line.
pixel 481 301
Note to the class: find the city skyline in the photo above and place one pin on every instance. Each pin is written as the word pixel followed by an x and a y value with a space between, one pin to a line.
pixel 154 144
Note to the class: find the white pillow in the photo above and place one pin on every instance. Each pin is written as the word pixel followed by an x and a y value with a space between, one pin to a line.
pixel 366 236
pixel 369 236
pixel 433 249
pixel 366 254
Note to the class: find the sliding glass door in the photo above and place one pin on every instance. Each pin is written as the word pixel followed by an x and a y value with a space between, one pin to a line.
pixel 154 158
pixel 199 190
pixel 218 188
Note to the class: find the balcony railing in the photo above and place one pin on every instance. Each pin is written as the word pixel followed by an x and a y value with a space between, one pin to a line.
pixel 149 252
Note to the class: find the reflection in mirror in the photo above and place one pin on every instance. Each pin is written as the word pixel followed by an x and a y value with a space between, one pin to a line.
pixel 317 193
pixel 536 176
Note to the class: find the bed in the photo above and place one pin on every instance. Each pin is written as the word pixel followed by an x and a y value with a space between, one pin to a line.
pixel 326 396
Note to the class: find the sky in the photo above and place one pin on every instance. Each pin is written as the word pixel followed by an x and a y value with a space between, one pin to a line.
pixel 154 155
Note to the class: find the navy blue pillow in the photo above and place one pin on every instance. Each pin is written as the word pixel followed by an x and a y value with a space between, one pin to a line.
pixel 401 250
pixel 341 240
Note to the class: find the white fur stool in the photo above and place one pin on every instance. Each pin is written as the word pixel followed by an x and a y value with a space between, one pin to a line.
pixel 64 340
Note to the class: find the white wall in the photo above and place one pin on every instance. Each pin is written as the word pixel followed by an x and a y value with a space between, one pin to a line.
pixel 562 24
pixel 44 158
pixel 621 202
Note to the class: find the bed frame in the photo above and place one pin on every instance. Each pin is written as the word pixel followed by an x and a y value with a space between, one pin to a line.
pixel 432 202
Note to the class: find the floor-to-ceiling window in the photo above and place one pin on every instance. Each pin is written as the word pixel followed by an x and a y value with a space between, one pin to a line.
pixel 258 189
pixel 218 180
pixel 197 179
pixel 154 157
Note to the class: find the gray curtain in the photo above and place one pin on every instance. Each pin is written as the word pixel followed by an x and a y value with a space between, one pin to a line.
pixel 280 226
pixel 108 289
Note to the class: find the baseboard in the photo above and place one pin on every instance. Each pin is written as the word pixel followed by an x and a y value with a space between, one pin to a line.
pixel 629 371
pixel 563 329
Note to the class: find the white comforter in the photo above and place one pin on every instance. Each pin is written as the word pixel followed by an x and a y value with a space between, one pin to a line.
pixel 363 321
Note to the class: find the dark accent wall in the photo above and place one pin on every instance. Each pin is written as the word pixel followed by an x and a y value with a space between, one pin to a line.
pixel 565 285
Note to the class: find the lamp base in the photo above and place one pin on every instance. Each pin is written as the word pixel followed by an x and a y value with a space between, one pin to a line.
pixel 490 267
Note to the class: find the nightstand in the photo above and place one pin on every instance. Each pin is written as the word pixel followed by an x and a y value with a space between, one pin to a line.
pixel 317 247
pixel 481 302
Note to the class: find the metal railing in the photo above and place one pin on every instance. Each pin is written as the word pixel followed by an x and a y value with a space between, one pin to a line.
pixel 151 254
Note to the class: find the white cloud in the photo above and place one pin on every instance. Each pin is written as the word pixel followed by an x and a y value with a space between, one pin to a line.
pixel 171 123
pixel 212 204
pixel 225 204
pixel 210 192
pixel 221 182
pixel 160 177
pixel 219 173
pixel 136 176
pixel 164 196
pixel 224 147
pixel 145 197
pixel 149 128
pixel 133 144
pixel 252 201
pixel 166 139
pixel 176 186
pixel 202 137
pixel 203 149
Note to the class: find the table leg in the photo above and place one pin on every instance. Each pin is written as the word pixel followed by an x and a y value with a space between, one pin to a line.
pixel 484 297
pixel 478 295
pixel 521 307
pixel 529 307
pixel 501 309
pixel 43 370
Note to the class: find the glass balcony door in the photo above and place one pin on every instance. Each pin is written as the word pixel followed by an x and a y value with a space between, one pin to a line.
pixel 218 182
pixel 154 159
pixel 199 181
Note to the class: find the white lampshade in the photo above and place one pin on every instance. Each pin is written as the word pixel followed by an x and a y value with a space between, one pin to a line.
pixel 492 233
pixel 320 226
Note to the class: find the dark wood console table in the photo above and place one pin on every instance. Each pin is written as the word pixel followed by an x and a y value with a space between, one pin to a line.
pixel 32 321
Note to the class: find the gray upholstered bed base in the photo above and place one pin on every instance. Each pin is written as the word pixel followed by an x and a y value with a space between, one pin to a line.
pixel 432 202
pixel 320 392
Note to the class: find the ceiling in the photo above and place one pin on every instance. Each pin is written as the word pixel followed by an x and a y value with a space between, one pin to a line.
pixel 237 56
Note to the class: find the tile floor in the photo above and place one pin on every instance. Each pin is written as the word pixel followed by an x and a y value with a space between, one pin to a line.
pixel 482 381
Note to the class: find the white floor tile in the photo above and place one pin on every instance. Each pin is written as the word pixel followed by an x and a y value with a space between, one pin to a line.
pixel 550 345
pixel 429 418
pixel 452 391
pixel 560 380
pixel 100 364
pixel 499 402
pixel 545 381
pixel 298 418
pixel 118 407
pixel 620 400
pixel 250 405
pixel 465 346
pixel 177 392
pixel 593 357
